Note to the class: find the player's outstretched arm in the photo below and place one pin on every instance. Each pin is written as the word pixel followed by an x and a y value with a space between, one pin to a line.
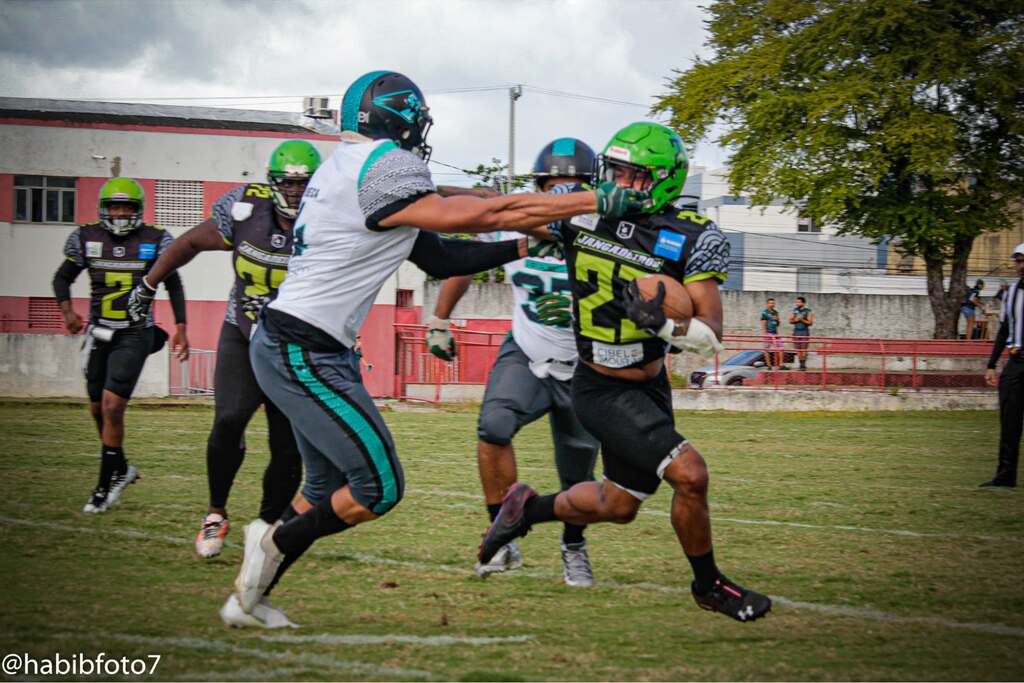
pixel 203 237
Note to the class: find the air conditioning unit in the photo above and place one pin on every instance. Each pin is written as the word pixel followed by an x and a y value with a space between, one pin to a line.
pixel 317 108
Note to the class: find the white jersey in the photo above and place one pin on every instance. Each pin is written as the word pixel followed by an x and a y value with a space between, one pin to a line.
pixel 340 256
pixel 532 277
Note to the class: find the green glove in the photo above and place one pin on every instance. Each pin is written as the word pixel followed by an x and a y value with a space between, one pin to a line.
pixel 554 309
pixel 614 201
pixel 439 338
pixel 542 248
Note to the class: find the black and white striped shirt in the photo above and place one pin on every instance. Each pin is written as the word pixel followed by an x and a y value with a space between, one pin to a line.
pixel 1011 322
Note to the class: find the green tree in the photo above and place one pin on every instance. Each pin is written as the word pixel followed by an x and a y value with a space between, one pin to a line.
pixel 901 118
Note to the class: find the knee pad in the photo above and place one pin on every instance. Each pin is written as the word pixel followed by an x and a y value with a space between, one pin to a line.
pixel 497 426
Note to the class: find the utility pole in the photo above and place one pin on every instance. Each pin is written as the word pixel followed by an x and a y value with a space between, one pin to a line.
pixel 514 93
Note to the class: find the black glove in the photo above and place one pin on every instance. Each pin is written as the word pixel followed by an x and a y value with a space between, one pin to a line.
pixel 645 313
pixel 139 301
pixel 254 303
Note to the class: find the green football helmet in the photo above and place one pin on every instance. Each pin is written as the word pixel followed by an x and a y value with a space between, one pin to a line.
pixel 121 191
pixel 652 150
pixel 292 160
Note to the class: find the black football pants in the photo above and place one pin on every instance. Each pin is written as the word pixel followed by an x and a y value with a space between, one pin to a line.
pixel 1011 418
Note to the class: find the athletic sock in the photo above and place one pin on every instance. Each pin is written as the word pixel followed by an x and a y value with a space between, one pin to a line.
pixel 111 459
pixel 296 535
pixel 540 509
pixel 573 534
pixel 704 570
pixel 289 559
pixel 492 510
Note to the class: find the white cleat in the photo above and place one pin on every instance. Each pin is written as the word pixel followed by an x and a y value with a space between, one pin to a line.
pixel 119 482
pixel 506 559
pixel 210 539
pixel 576 569
pixel 263 615
pixel 98 501
pixel 262 558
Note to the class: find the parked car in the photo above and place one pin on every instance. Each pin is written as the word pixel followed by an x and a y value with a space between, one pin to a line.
pixel 733 372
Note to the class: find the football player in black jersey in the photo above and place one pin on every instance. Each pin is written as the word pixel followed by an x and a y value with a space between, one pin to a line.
pixel 254 222
pixel 118 250
pixel 620 389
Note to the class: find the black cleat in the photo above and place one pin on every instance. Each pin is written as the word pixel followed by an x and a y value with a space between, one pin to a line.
pixel 996 484
pixel 733 600
pixel 509 524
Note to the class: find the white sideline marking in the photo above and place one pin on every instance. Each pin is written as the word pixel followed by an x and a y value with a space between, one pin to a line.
pixel 837 610
pixel 366 639
pixel 221 647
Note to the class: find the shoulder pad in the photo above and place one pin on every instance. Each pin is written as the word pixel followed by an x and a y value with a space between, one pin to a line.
pixel 241 211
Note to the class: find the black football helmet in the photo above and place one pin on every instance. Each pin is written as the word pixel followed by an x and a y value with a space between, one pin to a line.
pixel 386 104
pixel 567 157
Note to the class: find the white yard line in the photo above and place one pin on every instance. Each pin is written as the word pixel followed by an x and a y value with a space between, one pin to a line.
pixel 370 639
pixel 307 660
pixel 835 610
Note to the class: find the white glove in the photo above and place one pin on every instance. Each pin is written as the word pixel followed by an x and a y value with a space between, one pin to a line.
pixel 699 338
pixel 439 338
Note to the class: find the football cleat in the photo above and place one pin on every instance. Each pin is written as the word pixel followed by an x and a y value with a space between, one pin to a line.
pixel 509 524
pixel 97 501
pixel 506 559
pixel 119 482
pixel 733 600
pixel 263 615
pixel 576 569
pixel 210 539
pixel 262 558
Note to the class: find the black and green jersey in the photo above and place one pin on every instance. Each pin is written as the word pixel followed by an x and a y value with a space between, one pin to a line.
pixel 246 220
pixel 604 255
pixel 116 265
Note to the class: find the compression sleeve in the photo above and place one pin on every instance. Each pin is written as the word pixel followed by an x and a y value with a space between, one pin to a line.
pixel 63 278
pixel 176 291
pixel 997 349
pixel 443 258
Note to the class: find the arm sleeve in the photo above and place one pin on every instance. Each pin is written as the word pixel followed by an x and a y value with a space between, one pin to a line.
pixel 710 256
pixel 441 258
pixel 221 213
pixel 166 240
pixel 997 348
pixel 73 249
pixel 176 291
pixel 63 278
pixel 391 179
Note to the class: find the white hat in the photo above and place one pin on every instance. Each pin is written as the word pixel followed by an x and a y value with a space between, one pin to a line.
pixel 1019 249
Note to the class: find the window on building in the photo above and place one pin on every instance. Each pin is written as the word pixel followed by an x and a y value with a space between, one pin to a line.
pixel 403 298
pixel 807 224
pixel 179 203
pixel 44 199
pixel 808 280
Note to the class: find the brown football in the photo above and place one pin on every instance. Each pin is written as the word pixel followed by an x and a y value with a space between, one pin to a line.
pixel 677 304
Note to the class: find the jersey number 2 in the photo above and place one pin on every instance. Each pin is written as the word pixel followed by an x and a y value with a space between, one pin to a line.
pixel 606 273
pixel 123 282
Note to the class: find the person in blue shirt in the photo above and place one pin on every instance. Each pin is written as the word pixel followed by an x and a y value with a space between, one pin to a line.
pixel 772 343
pixel 969 308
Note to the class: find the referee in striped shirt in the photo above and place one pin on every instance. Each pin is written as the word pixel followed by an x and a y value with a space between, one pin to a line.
pixel 1011 380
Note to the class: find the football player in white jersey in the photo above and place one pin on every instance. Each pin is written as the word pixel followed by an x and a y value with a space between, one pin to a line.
pixel 361 216
pixel 532 373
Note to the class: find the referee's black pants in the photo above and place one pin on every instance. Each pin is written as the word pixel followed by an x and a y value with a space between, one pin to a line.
pixel 1011 419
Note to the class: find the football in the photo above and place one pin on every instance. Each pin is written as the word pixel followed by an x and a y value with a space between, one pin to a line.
pixel 677 305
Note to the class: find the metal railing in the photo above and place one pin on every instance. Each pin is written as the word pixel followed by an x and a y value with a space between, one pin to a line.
pixel 193 377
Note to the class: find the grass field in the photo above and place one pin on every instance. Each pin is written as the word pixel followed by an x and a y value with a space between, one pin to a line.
pixel 884 560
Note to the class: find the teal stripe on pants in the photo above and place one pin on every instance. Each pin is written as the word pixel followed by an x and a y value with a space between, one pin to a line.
pixel 362 429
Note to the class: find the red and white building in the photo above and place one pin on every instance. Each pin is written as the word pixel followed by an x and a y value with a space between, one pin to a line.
pixel 58 153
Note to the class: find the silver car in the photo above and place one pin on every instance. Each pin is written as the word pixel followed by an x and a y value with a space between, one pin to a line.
pixel 734 372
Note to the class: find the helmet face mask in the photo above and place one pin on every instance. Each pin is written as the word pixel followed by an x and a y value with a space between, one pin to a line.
pixel 388 105
pixel 121 192
pixel 651 151
pixel 292 164
pixel 564 158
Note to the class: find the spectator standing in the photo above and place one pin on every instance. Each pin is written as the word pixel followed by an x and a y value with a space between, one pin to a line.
pixel 802 318
pixel 1011 380
pixel 772 343
pixel 969 308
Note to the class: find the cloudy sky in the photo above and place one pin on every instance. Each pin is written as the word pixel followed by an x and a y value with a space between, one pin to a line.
pixel 266 54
